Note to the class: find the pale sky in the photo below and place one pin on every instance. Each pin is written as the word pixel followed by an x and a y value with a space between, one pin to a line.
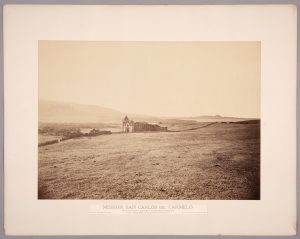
pixel 154 78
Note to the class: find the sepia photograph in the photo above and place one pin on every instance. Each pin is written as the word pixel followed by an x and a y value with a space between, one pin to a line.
pixel 146 120
pixel 147 115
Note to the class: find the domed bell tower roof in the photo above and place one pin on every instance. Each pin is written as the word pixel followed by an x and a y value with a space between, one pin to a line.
pixel 126 119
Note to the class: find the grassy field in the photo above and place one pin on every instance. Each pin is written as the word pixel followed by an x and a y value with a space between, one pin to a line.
pixel 221 161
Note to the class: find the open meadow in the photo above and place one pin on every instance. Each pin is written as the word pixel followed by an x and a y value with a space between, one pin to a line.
pixel 217 162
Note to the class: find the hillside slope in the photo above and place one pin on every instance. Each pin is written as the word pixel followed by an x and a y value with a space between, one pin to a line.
pixel 61 112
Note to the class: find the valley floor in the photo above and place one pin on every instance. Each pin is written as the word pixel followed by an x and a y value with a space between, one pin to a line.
pixel 221 161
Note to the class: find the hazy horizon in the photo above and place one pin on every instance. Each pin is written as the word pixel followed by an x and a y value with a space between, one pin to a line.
pixel 161 79
pixel 134 113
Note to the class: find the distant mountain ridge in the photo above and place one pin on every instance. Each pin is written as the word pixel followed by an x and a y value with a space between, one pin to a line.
pixel 64 112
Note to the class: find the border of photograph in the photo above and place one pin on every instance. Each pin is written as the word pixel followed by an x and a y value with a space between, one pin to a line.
pixel 130 2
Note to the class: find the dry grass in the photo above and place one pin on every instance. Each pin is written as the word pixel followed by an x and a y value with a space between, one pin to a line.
pixel 221 161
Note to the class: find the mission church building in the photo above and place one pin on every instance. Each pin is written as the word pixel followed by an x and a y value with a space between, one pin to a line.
pixel 130 126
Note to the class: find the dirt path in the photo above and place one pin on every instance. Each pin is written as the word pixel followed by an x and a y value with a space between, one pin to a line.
pixel 204 126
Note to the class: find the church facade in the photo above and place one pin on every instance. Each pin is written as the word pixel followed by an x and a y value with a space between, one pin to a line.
pixel 128 125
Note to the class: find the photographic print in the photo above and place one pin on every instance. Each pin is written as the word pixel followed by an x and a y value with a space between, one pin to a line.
pixel 149 120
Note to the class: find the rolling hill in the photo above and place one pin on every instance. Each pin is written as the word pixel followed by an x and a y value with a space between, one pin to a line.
pixel 61 112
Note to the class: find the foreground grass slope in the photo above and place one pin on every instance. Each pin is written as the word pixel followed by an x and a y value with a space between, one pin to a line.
pixel 221 161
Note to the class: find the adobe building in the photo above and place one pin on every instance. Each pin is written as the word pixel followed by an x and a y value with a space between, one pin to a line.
pixel 129 126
